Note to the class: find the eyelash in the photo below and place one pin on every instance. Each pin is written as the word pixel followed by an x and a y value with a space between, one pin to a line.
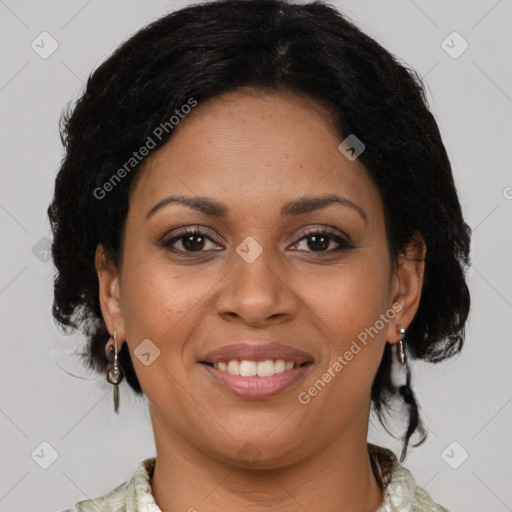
pixel 344 244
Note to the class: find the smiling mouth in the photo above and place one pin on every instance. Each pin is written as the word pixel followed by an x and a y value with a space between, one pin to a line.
pixel 247 368
pixel 255 370
pixel 256 380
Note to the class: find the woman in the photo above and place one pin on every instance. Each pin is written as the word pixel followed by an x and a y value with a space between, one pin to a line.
pixel 256 224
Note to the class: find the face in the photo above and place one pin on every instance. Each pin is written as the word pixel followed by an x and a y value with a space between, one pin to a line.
pixel 276 268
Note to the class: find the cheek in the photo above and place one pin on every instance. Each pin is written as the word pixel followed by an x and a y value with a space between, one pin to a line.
pixel 160 301
pixel 164 305
pixel 353 296
pixel 353 310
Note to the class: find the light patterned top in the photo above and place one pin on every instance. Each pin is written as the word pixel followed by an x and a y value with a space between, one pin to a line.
pixel 401 493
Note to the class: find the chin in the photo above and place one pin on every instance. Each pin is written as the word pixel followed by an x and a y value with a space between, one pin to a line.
pixel 261 454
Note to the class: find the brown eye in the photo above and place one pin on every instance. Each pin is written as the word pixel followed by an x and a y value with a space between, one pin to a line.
pixel 319 241
pixel 191 241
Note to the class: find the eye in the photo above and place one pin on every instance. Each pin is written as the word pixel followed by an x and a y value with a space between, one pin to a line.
pixel 191 240
pixel 319 241
pixel 196 241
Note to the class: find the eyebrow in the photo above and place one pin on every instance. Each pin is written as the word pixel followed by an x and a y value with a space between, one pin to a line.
pixel 289 209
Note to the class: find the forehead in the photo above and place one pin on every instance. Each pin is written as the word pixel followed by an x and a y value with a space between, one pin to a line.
pixel 251 149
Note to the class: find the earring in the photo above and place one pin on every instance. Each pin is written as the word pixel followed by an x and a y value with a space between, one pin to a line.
pixel 405 389
pixel 400 349
pixel 115 374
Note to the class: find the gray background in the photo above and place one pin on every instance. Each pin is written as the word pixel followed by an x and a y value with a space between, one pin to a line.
pixel 466 400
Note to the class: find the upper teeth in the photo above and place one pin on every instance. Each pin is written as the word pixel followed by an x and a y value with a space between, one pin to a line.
pixel 252 368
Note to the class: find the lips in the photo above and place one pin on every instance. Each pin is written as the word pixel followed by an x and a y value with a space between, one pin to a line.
pixel 298 365
pixel 256 352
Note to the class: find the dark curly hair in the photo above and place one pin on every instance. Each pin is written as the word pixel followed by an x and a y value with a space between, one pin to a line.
pixel 311 49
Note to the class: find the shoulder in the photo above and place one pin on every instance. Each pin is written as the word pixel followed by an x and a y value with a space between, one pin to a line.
pixel 401 492
pixel 113 501
pixel 133 495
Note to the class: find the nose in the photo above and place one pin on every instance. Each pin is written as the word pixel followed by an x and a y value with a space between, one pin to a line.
pixel 257 293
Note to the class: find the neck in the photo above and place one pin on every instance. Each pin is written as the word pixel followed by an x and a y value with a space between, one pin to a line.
pixel 187 479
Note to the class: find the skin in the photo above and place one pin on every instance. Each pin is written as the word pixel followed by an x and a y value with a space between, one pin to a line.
pixel 252 152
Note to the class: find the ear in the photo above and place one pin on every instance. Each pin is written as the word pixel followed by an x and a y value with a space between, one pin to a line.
pixel 109 293
pixel 407 283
